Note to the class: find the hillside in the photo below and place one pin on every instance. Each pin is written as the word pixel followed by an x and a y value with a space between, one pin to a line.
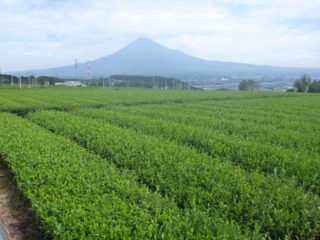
pixel 146 57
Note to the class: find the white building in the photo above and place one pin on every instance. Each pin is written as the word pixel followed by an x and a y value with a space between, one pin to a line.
pixel 71 84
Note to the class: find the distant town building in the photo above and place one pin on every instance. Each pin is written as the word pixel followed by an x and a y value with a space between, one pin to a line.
pixel 292 89
pixel 71 84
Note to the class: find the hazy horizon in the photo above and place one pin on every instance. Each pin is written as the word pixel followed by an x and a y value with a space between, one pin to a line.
pixel 39 34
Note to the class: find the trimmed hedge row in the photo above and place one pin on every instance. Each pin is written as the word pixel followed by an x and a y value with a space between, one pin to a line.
pixel 263 206
pixel 250 155
pixel 250 131
pixel 77 195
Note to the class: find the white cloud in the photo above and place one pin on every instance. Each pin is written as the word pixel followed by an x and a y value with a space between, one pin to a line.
pixel 43 33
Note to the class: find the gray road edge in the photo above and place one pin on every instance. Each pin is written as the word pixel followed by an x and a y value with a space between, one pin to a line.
pixel 3 233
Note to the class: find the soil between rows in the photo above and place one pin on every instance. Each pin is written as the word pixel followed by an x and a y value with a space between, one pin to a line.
pixel 19 222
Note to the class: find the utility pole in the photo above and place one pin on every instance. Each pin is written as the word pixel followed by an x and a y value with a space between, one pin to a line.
pixel 153 81
pixel 88 72
pixel 102 82
pixel 76 67
pixel 35 79
pixel 11 80
pixel 20 82
pixel 1 77
pixel 29 86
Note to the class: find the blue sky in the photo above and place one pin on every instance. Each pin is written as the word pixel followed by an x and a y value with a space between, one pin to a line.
pixel 47 33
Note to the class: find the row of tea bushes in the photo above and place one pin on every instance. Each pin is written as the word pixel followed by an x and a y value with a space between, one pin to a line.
pixel 77 195
pixel 262 205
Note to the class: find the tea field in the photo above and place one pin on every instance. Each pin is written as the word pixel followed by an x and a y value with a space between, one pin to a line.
pixel 165 164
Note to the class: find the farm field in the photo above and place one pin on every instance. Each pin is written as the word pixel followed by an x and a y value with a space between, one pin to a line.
pixel 165 164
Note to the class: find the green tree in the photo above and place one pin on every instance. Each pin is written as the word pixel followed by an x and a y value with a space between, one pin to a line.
pixel 42 80
pixel 249 85
pixel 314 86
pixel 302 84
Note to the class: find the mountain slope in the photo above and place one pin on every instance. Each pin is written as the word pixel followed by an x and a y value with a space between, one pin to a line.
pixel 146 57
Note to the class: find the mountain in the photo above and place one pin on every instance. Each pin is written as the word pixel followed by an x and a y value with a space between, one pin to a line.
pixel 146 57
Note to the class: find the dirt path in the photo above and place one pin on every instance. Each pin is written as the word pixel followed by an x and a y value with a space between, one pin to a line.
pixel 18 221
pixel 3 233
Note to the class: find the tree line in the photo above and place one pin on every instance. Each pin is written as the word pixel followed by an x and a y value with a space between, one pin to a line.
pixel 302 84
pixel 305 84
pixel 31 80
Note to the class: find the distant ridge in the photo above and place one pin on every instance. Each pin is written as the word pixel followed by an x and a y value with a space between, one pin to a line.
pixel 146 57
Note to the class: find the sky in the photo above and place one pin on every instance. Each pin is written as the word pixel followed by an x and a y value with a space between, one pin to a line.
pixel 37 34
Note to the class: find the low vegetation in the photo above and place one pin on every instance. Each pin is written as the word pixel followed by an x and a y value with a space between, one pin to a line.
pixel 153 164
